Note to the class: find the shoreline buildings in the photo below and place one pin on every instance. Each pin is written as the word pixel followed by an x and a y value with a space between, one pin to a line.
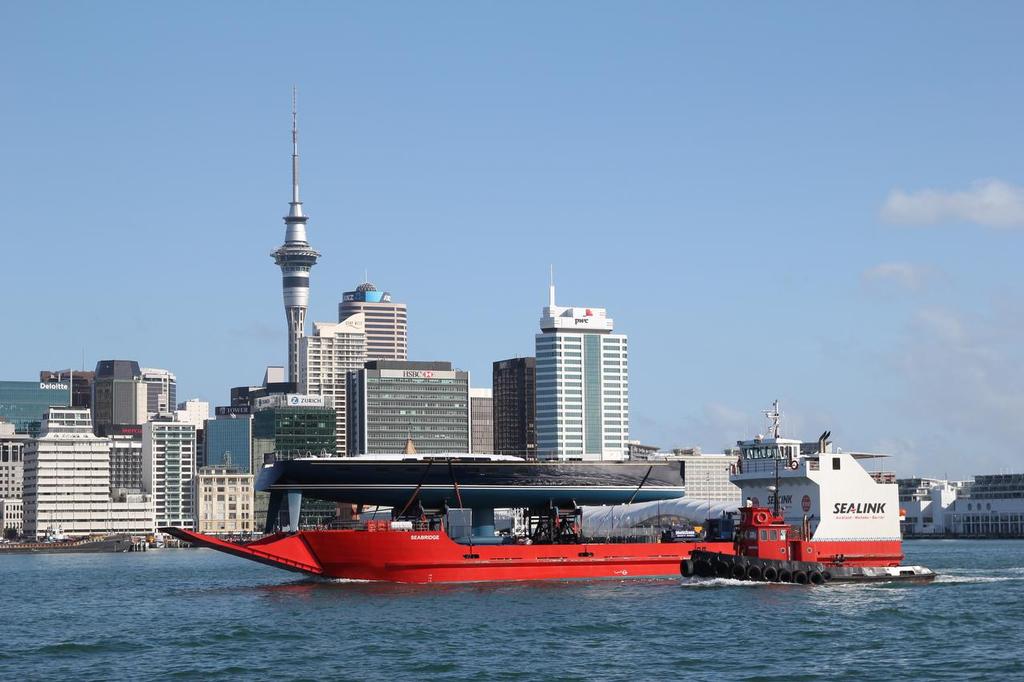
pixel 168 471
pixel 67 482
pixel 295 258
pixel 582 385
pixel 224 501
pixel 12 467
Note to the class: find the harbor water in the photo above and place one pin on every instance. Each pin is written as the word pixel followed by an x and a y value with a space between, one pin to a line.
pixel 197 614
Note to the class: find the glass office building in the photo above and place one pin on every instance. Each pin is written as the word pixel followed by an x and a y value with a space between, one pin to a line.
pixel 229 442
pixel 25 403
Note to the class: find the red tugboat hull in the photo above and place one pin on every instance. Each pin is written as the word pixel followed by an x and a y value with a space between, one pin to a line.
pixel 432 557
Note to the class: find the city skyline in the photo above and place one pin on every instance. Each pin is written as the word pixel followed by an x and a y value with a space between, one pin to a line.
pixel 851 249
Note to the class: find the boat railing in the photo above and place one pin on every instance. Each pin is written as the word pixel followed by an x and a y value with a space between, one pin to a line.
pixel 374 525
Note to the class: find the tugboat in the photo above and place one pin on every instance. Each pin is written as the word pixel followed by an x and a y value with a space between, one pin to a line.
pixel 846 527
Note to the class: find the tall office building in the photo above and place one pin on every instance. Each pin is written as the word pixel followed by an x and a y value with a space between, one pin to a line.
pixel 25 403
pixel 390 402
pixel 514 386
pixel 289 426
pixel 481 421
pixel 67 482
pixel 169 469
pixel 326 358
pixel 295 258
pixel 582 385
pixel 126 459
pixel 229 439
pixel 80 383
pixel 387 323
pixel 118 395
pixel 161 390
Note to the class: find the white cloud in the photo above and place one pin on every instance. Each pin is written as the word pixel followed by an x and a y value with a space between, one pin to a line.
pixel 986 202
pixel 906 275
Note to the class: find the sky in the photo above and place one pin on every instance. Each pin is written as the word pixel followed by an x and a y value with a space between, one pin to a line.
pixel 808 202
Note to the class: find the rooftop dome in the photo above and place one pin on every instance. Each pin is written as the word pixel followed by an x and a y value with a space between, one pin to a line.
pixel 366 286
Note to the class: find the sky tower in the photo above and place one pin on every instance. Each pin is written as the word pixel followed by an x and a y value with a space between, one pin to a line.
pixel 295 257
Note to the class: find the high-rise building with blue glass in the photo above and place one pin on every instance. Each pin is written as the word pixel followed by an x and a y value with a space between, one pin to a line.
pixel 229 441
pixel 582 385
pixel 25 403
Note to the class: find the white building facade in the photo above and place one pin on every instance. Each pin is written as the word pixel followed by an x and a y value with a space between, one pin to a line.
pixel 326 358
pixel 67 482
pixel 193 411
pixel 168 471
pixel 224 501
pixel 582 385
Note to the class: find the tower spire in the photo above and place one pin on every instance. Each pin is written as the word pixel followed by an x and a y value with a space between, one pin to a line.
pixel 296 203
pixel 295 258
pixel 551 288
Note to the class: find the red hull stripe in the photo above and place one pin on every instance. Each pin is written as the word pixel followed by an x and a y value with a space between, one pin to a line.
pixel 423 557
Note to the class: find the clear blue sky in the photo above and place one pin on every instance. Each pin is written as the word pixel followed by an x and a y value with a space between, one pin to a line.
pixel 801 201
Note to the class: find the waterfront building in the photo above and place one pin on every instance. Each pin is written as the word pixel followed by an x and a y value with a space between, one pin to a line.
pixel 229 439
pixel 991 505
pixel 25 403
pixel 168 471
pixel 514 387
pixel 126 459
pixel 79 381
pixel 295 258
pixel 582 385
pixel 387 324
pixel 161 390
pixel 481 420
pixel 12 465
pixel 925 503
pixel 326 358
pixel 12 518
pixel 67 482
pixel 12 452
pixel 224 501
pixel 118 395
pixel 390 402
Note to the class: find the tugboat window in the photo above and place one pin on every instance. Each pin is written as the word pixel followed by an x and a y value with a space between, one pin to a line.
pixel 774 535
pixel 835 463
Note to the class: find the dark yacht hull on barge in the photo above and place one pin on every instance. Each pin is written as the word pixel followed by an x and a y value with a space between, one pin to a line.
pixel 471 482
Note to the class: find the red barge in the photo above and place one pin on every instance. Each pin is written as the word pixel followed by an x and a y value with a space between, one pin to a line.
pixel 828 519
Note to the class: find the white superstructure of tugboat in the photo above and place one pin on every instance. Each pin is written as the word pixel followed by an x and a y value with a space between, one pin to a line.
pixel 813 514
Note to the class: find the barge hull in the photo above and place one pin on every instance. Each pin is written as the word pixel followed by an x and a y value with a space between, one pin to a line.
pixel 432 557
